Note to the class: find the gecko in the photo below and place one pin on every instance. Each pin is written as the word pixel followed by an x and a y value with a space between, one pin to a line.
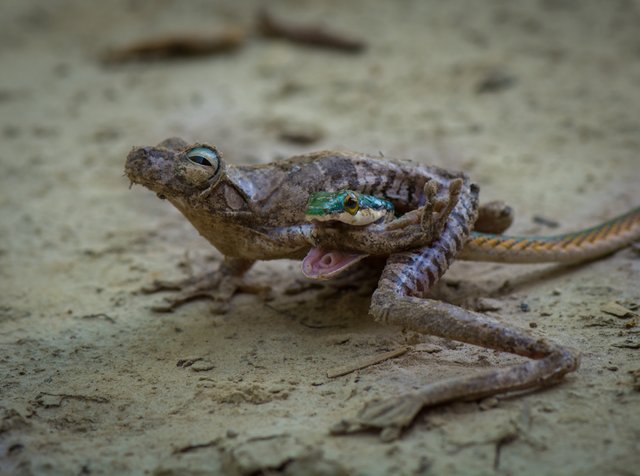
pixel 258 212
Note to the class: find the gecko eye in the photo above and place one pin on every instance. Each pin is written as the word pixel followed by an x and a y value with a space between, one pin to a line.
pixel 204 156
pixel 351 204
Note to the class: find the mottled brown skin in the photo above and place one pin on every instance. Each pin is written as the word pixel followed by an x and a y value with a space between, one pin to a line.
pixel 257 212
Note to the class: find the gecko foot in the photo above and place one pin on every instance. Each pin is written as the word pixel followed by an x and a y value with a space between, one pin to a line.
pixel 390 415
pixel 215 286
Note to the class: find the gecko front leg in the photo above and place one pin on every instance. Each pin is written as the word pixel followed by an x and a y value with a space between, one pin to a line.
pixel 219 286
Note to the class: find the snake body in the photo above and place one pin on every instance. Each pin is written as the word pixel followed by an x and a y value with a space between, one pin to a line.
pixel 583 245
pixel 573 247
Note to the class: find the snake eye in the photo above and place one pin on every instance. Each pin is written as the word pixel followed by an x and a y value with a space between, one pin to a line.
pixel 204 156
pixel 351 204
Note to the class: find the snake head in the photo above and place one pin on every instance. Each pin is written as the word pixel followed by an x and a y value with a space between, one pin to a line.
pixel 348 207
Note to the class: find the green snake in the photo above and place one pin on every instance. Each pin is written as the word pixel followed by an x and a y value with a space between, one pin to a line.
pixel 353 208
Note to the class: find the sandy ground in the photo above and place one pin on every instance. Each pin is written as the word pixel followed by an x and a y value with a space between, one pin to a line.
pixel 93 382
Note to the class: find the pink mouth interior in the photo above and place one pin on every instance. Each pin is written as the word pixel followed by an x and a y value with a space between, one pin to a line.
pixel 323 264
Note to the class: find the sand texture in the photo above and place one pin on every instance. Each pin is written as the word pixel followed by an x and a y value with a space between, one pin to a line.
pixel 538 101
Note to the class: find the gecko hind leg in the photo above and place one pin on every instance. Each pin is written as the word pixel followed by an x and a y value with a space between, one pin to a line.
pixel 219 286
pixel 549 362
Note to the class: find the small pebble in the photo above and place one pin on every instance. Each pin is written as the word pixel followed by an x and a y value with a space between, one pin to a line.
pixel 488 304
pixel 616 309
pixel 202 366
pixel 338 339
pixel 494 82
pixel 540 220
pixel 488 403
pixel 428 348
pixel 298 133
pixel 524 307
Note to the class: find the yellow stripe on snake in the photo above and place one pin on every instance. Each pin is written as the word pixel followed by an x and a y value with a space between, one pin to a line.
pixel 582 245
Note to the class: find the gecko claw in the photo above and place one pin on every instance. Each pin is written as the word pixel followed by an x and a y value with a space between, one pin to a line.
pixel 344 427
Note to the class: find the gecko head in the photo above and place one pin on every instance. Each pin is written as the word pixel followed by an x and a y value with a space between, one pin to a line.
pixel 175 170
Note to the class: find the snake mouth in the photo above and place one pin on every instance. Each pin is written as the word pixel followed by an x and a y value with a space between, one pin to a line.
pixel 320 264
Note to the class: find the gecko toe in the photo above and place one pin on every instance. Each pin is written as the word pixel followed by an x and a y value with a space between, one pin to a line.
pixel 394 412
pixel 390 416
pixel 218 288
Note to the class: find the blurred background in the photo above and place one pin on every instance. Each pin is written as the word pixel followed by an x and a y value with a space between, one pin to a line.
pixel 537 100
